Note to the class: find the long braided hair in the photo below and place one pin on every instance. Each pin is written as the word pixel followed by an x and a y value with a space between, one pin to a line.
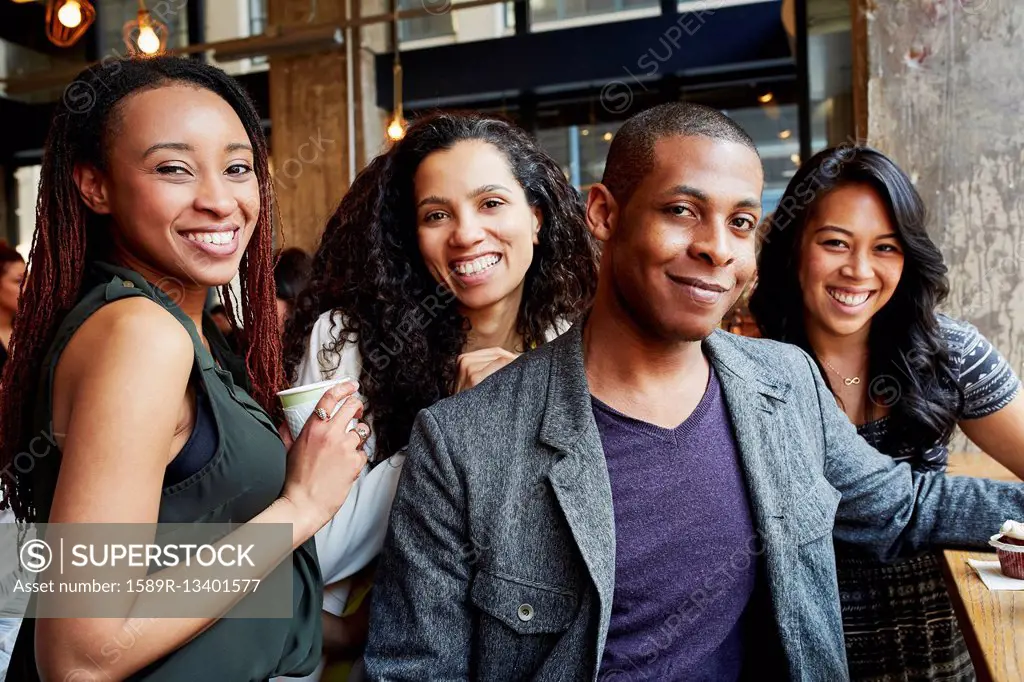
pixel 369 269
pixel 68 235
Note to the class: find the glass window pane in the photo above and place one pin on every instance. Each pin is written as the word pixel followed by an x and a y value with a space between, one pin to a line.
pixel 588 146
pixel 555 141
pixel 257 17
pixel 830 72
pixel 775 129
pixel 594 143
pixel 258 25
pixel 431 26
pixel 559 10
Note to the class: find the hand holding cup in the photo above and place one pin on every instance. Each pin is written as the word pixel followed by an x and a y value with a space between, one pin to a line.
pixel 327 455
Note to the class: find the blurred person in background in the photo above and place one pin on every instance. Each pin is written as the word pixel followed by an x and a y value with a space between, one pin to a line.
pixel 12 272
pixel 291 274
pixel 155 194
pixel 452 254
pixel 849 274
pixel 219 314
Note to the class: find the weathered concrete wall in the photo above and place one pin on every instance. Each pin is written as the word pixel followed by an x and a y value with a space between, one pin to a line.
pixel 945 98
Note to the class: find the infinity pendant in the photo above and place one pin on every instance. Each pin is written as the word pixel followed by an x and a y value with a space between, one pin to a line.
pixel 850 382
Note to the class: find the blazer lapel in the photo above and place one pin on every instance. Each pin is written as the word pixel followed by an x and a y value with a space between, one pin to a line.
pixel 751 399
pixel 579 477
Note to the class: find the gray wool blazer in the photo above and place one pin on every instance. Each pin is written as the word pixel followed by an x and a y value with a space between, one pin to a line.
pixel 499 563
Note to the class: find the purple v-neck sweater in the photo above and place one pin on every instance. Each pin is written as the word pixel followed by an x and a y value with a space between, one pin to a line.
pixel 686 549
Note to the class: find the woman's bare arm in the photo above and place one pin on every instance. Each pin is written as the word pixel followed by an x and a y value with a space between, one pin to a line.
pixel 1001 435
pixel 123 409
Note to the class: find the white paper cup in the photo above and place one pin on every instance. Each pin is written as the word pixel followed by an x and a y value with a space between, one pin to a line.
pixel 299 402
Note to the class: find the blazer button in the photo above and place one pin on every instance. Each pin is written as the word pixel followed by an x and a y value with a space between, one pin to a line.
pixel 128 284
pixel 525 612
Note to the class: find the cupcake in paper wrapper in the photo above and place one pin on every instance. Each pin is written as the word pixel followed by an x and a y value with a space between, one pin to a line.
pixel 1009 544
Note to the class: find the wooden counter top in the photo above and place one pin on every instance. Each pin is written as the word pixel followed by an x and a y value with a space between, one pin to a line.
pixel 992 622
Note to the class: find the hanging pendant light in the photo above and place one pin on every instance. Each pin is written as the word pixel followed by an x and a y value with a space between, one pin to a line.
pixel 397 124
pixel 68 20
pixel 145 36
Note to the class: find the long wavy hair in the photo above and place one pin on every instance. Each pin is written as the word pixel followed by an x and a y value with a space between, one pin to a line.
pixel 68 235
pixel 905 344
pixel 369 269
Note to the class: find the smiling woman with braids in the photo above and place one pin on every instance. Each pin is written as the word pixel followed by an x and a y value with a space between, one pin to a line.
pixel 459 249
pixel 155 194
pixel 849 274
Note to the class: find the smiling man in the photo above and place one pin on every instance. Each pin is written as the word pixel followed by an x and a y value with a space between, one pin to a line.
pixel 648 497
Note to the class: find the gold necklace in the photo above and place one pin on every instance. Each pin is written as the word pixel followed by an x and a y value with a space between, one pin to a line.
pixel 849 381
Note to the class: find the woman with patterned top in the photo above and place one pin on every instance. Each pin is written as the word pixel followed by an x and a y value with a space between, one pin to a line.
pixel 848 273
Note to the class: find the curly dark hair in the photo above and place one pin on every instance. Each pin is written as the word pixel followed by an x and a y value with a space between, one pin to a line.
pixel 369 268
pixel 905 340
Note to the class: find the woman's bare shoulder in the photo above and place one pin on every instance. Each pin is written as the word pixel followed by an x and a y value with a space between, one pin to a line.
pixel 135 338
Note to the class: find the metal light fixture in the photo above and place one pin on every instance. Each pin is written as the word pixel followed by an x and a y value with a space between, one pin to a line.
pixel 145 36
pixel 397 124
pixel 68 20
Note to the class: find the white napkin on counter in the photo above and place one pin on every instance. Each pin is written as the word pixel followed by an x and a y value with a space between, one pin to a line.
pixel 993 578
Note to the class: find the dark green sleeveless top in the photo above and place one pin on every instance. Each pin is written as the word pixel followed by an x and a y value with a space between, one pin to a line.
pixel 245 475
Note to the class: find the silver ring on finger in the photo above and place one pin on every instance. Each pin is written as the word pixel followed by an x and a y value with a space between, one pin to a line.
pixel 323 414
pixel 363 431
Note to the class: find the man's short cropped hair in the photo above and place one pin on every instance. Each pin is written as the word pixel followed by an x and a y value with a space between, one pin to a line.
pixel 631 155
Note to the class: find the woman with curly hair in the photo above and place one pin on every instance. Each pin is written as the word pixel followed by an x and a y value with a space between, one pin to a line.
pixel 129 407
pixel 459 249
pixel 849 274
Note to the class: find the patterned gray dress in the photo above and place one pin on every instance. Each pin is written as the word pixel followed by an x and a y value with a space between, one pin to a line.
pixel 897 618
